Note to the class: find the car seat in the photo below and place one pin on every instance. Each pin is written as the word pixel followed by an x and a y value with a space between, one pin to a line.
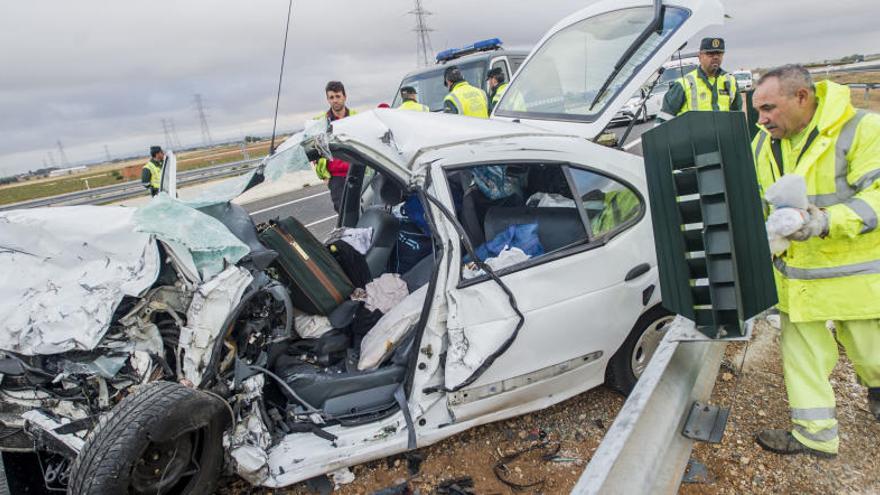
pixel 385 225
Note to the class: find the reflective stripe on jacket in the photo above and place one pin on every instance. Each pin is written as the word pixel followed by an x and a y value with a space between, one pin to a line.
pixel 836 277
pixel 322 165
pixel 414 106
pixel 700 95
pixel 468 100
pixel 155 174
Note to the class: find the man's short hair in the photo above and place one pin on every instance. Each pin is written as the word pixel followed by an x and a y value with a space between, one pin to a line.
pixel 407 90
pixel 453 74
pixel 155 150
pixel 496 73
pixel 792 77
pixel 336 87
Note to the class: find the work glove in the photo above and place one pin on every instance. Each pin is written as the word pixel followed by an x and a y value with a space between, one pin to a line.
pixel 815 225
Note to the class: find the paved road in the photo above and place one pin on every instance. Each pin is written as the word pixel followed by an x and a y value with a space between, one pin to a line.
pixel 311 206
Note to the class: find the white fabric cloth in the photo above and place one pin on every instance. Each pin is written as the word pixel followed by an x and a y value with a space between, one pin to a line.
pixel 381 340
pixel 311 326
pixel 781 223
pixel 509 256
pixel 359 239
pixel 385 292
pixel 542 200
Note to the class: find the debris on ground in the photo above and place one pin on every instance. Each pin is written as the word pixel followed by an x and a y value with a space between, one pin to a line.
pixel 736 465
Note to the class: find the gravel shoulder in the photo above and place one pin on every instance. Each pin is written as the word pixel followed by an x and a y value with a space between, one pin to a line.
pixel 736 465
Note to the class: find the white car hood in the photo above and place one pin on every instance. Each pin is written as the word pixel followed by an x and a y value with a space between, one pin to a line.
pixel 65 270
pixel 398 137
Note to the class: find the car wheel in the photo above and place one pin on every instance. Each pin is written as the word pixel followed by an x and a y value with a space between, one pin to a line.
pixel 630 361
pixel 163 438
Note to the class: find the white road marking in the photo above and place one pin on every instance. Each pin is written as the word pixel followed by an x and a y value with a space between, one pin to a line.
pixel 632 143
pixel 264 210
pixel 316 222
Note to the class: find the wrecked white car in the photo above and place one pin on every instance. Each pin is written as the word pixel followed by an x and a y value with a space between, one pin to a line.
pixel 512 266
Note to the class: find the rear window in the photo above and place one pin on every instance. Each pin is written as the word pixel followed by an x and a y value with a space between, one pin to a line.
pixel 430 88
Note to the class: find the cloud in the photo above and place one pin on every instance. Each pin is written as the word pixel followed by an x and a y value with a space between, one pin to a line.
pixel 93 72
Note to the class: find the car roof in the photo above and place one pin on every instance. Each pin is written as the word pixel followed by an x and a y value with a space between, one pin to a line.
pixel 466 59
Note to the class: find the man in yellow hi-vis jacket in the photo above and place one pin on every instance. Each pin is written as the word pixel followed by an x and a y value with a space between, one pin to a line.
pixel 832 269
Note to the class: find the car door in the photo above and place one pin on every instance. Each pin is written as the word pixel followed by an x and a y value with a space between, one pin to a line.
pixel 589 64
pixel 578 299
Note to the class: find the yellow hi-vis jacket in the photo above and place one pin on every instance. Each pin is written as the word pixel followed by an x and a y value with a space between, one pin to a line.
pixel 468 100
pixel 499 92
pixel 155 174
pixel 836 277
pixel 414 106
pixel 699 95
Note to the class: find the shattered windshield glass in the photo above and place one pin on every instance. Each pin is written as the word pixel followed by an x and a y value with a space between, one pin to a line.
pixel 289 163
pixel 567 72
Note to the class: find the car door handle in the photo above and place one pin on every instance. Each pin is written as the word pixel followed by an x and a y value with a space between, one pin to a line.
pixel 637 272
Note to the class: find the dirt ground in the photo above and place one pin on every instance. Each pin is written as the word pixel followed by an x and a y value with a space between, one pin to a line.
pixel 736 465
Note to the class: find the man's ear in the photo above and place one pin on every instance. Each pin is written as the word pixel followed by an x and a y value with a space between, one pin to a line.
pixel 803 95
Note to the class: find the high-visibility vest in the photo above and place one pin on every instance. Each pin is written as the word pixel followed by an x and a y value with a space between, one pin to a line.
pixel 836 277
pixel 155 174
pixel 321 165
pixel 469 100
pixel 414 106
pixel 699 95
pixel 498 92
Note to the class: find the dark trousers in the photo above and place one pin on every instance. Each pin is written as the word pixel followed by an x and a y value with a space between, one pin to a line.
pixel 337 190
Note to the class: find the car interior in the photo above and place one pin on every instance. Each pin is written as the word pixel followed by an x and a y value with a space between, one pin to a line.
pixel 539 208
pixel 324 372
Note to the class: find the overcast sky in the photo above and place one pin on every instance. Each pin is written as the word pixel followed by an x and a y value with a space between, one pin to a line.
pixel 92 73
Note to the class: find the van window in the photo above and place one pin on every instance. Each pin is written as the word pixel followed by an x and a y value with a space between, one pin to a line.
pixel 430 88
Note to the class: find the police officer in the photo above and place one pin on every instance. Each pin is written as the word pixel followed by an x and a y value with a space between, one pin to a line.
pixel 497 86
pixel 151 174
pixel 334 171
pixel 410 100
pixel 706 88
pixel 832 269
pixel 463 98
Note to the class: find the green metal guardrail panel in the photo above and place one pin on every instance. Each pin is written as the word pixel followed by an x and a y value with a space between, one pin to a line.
pixel 711 244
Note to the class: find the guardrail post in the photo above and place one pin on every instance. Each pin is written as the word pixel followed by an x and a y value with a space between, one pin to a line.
pixel 644 450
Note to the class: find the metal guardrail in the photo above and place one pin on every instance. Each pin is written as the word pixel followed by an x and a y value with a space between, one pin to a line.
pixel 644 451
pixel 867 87
pixel 118 192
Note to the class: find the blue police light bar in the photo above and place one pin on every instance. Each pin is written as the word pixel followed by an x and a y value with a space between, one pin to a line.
pixel 479 46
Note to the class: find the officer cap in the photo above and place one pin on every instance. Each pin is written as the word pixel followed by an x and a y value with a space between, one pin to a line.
pixel 712 45
pixel 497 73
pixel 155 150
pixel 408 90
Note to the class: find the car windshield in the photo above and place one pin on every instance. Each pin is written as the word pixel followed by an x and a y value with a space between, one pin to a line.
pixel 564 76
pixel 743 77
pixel 430 88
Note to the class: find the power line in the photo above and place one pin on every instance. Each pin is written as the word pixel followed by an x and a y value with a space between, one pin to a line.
pixel 423 37
pixel 203 120
pixel 62 155
pixel 168 143
pixel 174 138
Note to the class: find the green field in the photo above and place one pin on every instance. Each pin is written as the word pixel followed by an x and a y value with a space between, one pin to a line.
pixel 80 182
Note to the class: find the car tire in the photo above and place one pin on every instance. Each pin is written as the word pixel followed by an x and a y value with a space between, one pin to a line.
pixel 628 362
pixel 162 438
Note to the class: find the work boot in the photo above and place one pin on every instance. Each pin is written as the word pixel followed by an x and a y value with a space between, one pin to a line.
pixel 874 402
pixel 783 442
